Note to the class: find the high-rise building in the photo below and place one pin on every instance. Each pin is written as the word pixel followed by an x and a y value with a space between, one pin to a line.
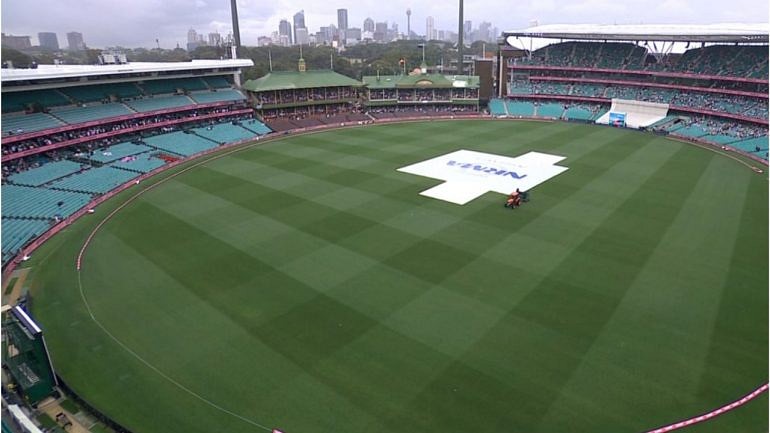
pixel 284 29
pixel 75 41
pixel 192 36
pixel 301 37
pixel 299 22
pixel 48 40
pixel 16 42
pixel 369 25
pixel 430 29
pixel 467 29
pixel 215 39
pixel 484 32
pixel 342 19
pixel 352 35
pixel 342 24
pixel 380 32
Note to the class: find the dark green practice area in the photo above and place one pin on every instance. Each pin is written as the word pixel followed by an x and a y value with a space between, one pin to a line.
pixel 304 284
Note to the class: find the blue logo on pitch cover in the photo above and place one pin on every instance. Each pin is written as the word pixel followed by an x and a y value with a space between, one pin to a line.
pixel 485 169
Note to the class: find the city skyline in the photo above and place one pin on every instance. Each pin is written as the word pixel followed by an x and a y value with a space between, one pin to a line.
pixel 169 21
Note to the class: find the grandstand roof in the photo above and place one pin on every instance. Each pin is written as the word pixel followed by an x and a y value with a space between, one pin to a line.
pixel 284 80
pixel 420 80
pixel 43 72
pixel 726 33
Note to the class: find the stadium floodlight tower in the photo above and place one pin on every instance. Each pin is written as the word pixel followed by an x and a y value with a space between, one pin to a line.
pixel 236 29
pixel 460 30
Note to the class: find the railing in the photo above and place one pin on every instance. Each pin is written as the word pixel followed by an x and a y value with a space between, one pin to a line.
pixel 138 128
pixel 597 100
pixel 10 139
pixel 646 84
pixel 688 75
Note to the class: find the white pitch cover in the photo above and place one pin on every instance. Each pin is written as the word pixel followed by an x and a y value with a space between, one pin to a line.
pixel 469 174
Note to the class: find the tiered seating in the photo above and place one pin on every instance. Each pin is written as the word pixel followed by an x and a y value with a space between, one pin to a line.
pixel 180 143
pixel 118 151
pixel 751 144
pixel 18 232
pixel 519 87
pixel 30 202
pixel 585 54
pixel 45 173
pixel 556 54
pixel 96 180
pixel 218 96
pixel 693 131
pixel 613 55
pixel 759 109
pixel 101 92
pixel 622 92
pixel 159 103
pixel 173 85
pixel 260 128
pixel 668 120
pixel 579 112
pixel 142 163
pixel 728 60
pixel 217 82
pixel 18 101
pixel 19 123
pixel 594 90
pixel 74 115
pixel 549 88
pixel 751 61
pixel 225 133
pixel 497 107
pixel 635 59
pixel 550 110
pixel 520 108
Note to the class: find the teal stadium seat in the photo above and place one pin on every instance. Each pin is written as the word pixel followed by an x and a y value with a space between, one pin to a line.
pixel 21 123
pixel 180 143
pixel 217 82
pixel 750 145
pixel 520 108
pixel 117 151
pixel 37 202
pixel 256 126
pixel 100 92
pixel 225 133
pixel 173 85
pixel 45 173
pixel 578 113
pixel 160 102
pixel 17 233
pixel 18 101
pixel 96 180
pixel 74 115
pixel 218 96
pixel 143 163
pixel 550 110
pixel 497 107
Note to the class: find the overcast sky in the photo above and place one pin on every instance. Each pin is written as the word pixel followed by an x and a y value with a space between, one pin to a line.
pixel 134 23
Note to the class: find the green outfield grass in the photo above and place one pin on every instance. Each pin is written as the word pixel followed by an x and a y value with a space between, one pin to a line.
pixel 304 284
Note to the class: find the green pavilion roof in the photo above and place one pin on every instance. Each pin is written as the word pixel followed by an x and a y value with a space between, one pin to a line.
pixel 299 80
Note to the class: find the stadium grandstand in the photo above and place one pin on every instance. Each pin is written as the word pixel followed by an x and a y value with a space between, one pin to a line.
pixel 289 100
pixel 715 92
pixel 393 96
pixel 73 133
